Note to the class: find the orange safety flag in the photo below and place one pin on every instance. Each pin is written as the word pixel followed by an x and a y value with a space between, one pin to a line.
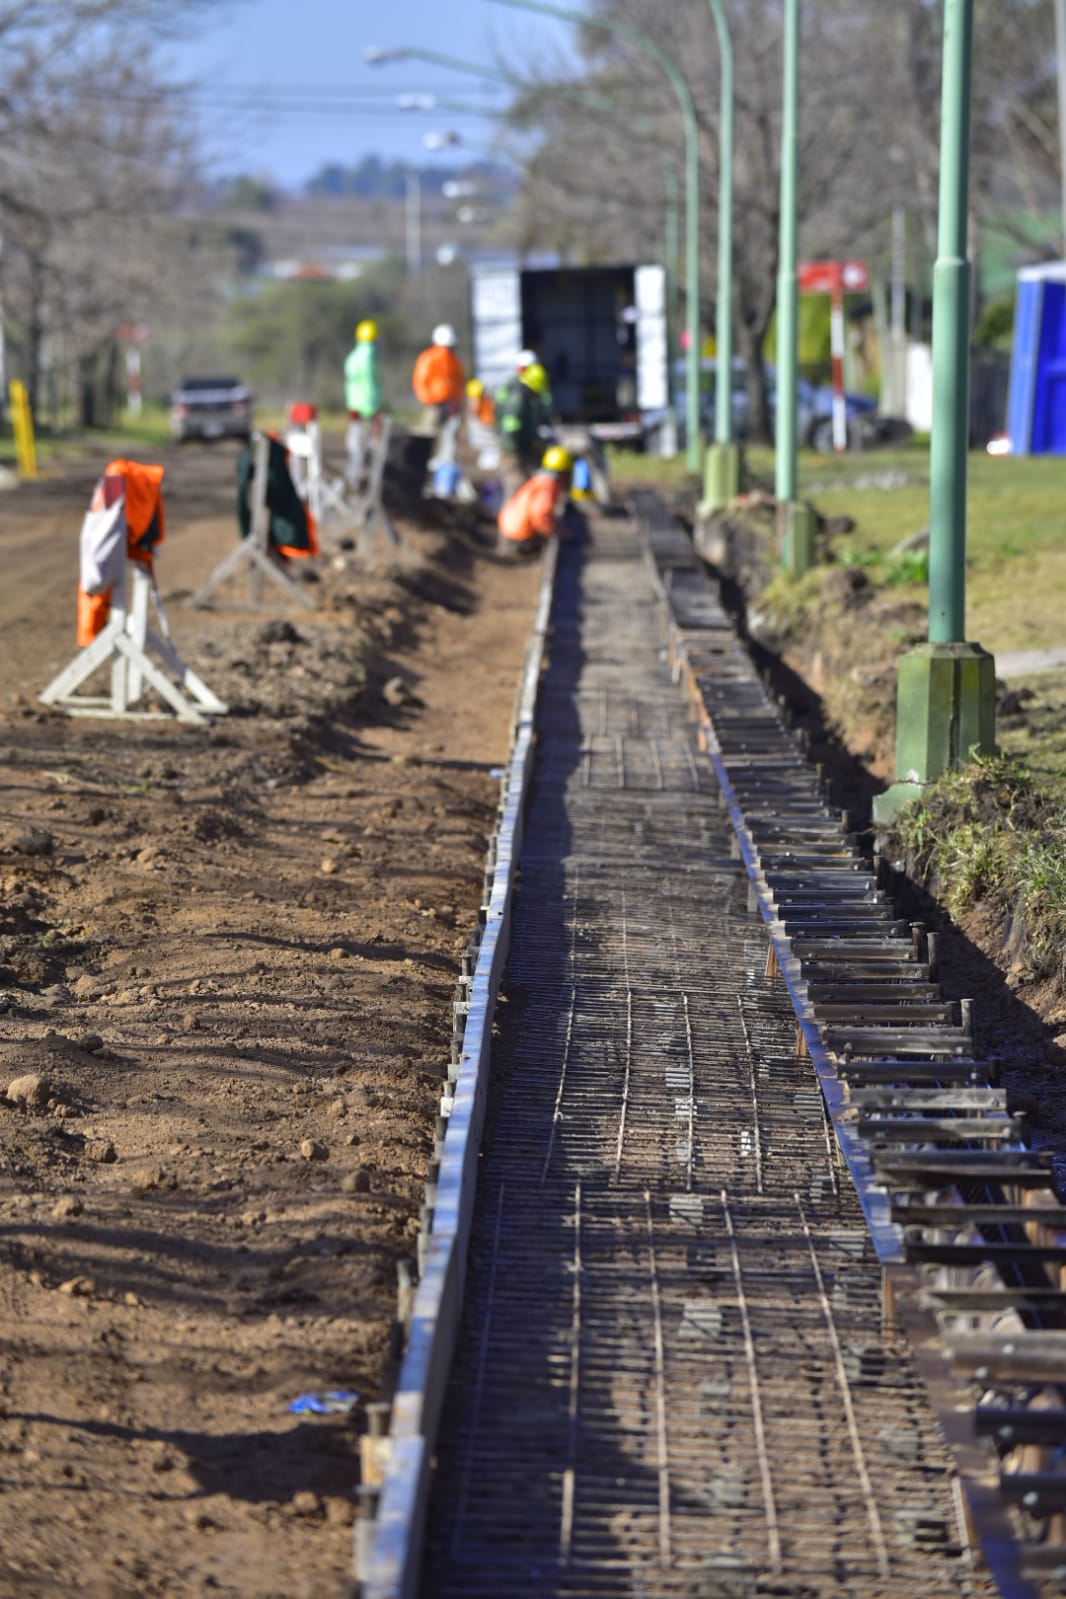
pixel 438 377
pixel 530 512
pixel 125 521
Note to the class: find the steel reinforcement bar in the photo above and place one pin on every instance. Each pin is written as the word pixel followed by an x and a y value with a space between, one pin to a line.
pixel 398 1449
pixel 962 1213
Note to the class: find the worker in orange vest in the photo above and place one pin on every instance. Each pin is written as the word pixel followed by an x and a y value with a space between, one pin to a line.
pixel 537 510
pixel 439 383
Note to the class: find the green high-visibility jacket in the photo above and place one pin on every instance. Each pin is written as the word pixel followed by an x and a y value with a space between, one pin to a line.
pixel 518 417
pixel 362 381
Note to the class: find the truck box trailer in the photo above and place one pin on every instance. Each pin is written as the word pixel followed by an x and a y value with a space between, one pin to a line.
pixel 600 332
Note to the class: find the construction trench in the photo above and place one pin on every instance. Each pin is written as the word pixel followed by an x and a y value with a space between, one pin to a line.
pixel 759 1292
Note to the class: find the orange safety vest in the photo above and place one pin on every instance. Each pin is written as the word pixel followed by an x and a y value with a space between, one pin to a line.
pixel 438 377
pixel 530 512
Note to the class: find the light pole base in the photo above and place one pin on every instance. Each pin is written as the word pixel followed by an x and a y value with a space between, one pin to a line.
pixel 795 527
pixel 945 710
pixel 721 478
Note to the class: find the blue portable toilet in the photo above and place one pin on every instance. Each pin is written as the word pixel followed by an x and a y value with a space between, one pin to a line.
pixel 1036 408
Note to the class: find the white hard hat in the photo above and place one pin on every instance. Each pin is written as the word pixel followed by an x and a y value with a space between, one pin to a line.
pixel 444 334
pixel 525 358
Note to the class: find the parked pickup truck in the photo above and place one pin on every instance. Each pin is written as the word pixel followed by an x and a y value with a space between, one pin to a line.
pixel 210 408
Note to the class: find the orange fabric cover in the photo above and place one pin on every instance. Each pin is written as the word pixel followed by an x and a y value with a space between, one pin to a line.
pixel 145 528
pixel 438 377
pixel 93 612
pixel 144 507
pixel 530 512
pixel 312 542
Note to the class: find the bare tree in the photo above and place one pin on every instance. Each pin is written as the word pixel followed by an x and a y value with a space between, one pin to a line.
pixel 93 164
pixel 870 102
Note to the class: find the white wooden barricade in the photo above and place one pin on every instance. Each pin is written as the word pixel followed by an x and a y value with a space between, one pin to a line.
pixel 325 497
pixel 128 642
pixel 254 551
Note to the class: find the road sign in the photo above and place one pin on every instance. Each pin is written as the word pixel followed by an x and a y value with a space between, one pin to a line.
pixel 836 278
pixel 833 277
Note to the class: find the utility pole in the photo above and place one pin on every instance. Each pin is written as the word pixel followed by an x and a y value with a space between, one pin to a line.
pixel 899 310
pixel 946 697
pixel 414 223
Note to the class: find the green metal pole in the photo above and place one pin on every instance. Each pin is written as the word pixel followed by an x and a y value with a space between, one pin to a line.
pixel 946 691
pixel 951 339
pixel 692 196
pixel 722 471
pixel 671 262
pixel 785 458
pixel 795 522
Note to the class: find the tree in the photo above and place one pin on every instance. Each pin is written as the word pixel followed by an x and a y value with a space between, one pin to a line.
pixel 869 136
pixel 93 162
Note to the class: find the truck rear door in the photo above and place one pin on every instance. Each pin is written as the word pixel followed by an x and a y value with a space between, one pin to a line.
pixel 652 353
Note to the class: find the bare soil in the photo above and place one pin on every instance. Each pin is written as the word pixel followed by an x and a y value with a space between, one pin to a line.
pixel 228 955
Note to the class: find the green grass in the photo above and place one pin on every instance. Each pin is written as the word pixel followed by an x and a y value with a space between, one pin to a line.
pixel 628 466
pixel 1016 556
pixel 993 833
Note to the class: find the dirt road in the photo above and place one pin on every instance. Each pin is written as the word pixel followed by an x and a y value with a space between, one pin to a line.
pixel 227 957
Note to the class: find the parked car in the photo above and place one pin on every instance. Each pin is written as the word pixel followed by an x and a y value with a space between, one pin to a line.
pixel 814 410
pixel 210 408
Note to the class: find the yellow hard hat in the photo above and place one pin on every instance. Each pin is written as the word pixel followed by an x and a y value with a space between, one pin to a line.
pixel 366 332
pixel 556 459
pixel 475 388
pixel 535 377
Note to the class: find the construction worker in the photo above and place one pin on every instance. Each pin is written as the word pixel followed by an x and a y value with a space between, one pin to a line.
pixel 521 415
pixel 363 397
pixel 537 509
pixel 480 425
pixel 439 383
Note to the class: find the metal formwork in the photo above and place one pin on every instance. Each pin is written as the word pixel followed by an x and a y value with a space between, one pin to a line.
pixel 673 1376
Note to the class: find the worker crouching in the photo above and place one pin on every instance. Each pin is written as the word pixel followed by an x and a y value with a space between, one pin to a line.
pixel 538 509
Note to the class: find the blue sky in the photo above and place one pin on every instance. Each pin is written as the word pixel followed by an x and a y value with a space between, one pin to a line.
pixel 314 99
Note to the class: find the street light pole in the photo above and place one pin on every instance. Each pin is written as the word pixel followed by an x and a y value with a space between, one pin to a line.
pixel 946 697
pixel 692 195
pixel 1060 56
pixel 599 101
pixel 795 521
pixel 722 467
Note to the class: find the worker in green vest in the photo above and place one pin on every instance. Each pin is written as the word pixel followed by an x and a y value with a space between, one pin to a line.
pixel 363 397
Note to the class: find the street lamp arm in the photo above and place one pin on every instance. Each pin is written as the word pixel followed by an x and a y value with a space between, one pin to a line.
pixel 692 190
pixel 376 56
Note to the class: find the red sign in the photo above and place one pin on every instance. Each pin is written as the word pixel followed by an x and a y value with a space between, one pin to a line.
pixel 833 277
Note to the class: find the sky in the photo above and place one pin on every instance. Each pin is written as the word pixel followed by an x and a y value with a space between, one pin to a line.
pixel 282 86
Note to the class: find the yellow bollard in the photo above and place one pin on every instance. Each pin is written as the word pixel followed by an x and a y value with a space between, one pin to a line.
pixel 22 422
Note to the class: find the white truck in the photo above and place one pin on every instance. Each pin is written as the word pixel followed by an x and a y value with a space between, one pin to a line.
pixel 600 332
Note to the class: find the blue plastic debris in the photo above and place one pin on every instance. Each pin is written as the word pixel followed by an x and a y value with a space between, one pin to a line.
pixel 339 1402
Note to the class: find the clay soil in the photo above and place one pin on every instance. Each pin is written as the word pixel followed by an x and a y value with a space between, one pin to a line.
pixel 228 955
